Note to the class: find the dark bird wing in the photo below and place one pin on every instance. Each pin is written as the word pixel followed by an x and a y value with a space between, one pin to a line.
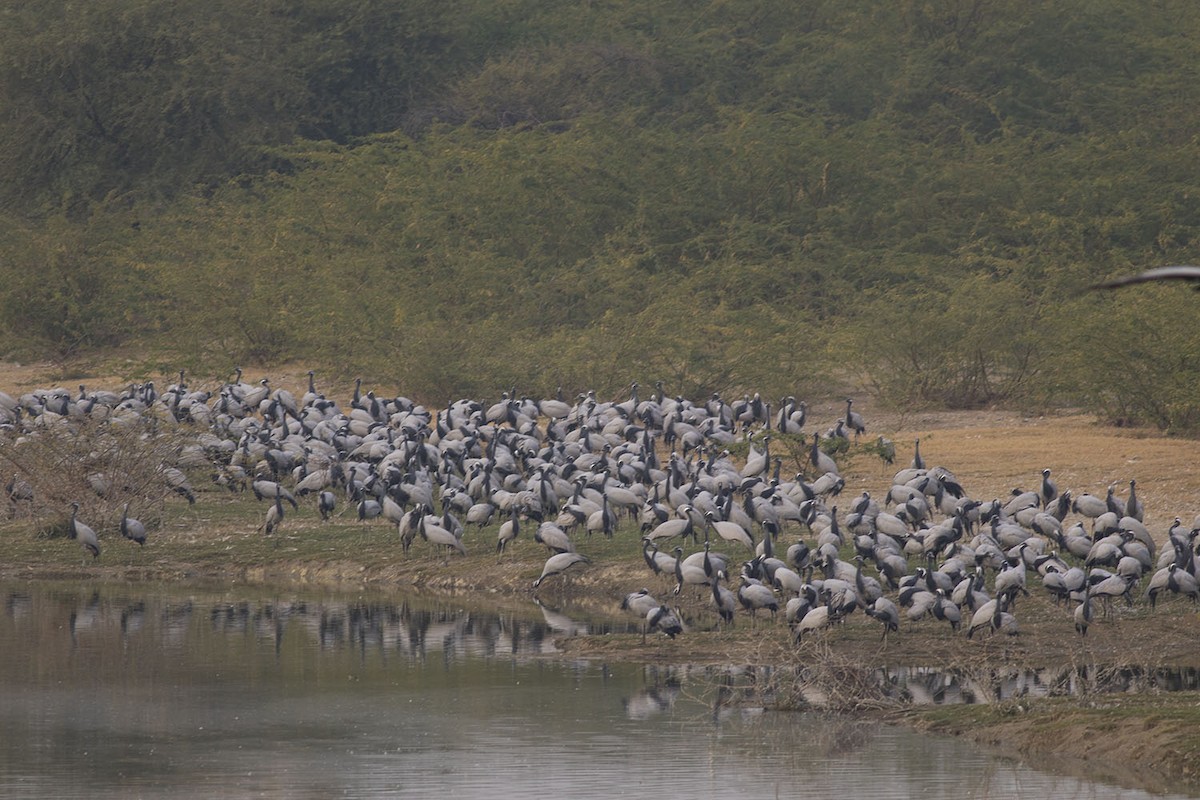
pixel 1180 272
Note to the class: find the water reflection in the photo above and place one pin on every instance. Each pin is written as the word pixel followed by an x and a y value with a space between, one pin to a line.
pixel 925 686
pixel 411 628
pixel 420 629
pixel 414 630
pixel 109 692
pixel 652 701
pixel 763 686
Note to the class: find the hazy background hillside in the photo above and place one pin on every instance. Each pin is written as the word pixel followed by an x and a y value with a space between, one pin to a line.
pixel 457 196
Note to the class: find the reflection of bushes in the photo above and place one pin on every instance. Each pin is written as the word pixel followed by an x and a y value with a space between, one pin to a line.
pixel 100 464
pixel 828 680
pixel 814 676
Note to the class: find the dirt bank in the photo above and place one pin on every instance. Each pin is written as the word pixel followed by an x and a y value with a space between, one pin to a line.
pixel 1148 741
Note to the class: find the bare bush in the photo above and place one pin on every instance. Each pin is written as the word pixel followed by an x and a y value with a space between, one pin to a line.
pixel 815 676
pixel 101 464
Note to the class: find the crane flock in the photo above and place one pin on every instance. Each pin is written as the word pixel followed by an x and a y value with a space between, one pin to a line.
pixel 921 551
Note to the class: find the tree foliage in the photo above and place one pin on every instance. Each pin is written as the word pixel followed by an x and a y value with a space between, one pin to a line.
pixel 461 197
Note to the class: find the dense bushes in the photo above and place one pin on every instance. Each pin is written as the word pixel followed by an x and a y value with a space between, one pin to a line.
pixel 459 197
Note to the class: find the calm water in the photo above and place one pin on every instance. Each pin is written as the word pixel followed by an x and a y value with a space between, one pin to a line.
pixel 145 692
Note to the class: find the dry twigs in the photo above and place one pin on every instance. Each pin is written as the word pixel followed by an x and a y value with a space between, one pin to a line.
pixel 99 463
